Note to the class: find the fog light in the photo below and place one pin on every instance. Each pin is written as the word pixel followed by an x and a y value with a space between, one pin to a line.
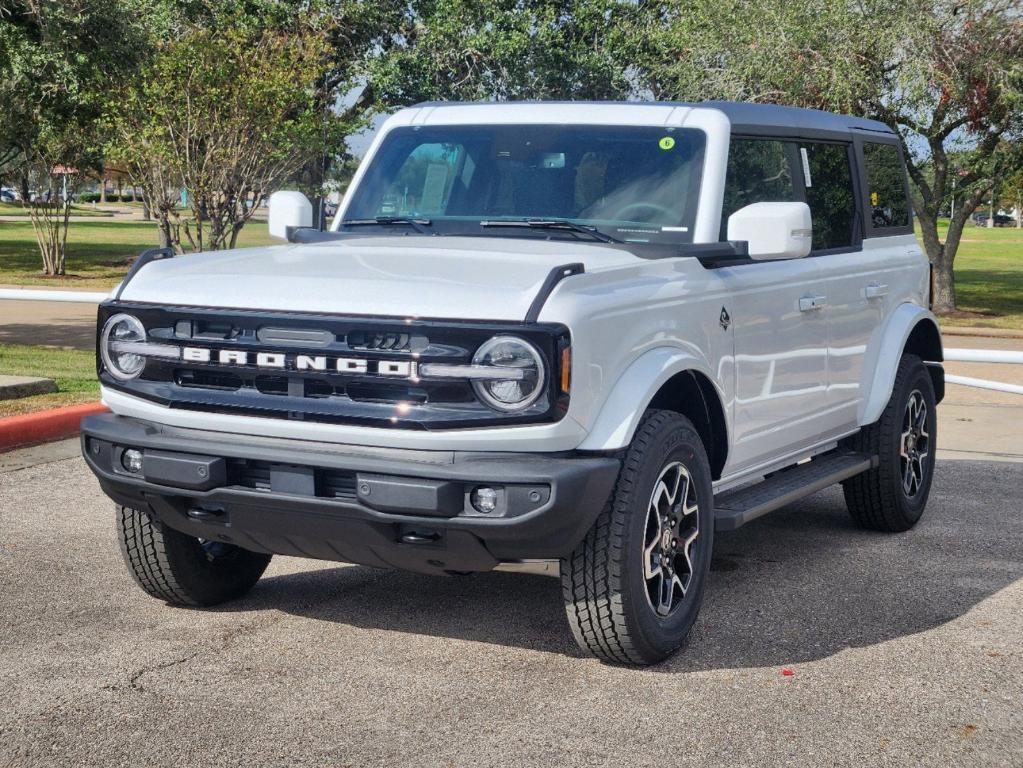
pixel 484 500
pixel 131 460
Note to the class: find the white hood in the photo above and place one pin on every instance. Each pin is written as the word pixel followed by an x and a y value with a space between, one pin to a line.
pixel 443 277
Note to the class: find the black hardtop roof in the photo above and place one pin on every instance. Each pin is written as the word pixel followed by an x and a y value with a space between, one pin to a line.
pixel 746 117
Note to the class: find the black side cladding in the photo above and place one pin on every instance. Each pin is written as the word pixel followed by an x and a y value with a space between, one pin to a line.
pixel 554 277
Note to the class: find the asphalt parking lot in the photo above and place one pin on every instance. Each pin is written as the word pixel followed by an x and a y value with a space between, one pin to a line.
pixel 904 650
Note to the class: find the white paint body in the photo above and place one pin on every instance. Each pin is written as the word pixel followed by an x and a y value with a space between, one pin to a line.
pixel 791 381
pixel 288 209
pixel 773 230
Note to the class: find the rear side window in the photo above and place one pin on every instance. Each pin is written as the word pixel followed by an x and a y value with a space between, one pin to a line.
pixel 759 171
pixel 827 176
pixel 886 188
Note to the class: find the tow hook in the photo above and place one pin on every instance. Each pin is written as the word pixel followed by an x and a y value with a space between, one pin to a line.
pixel 420 537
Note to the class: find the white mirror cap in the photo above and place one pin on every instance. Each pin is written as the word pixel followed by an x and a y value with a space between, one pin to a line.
pixel 773 230
pixel 289 210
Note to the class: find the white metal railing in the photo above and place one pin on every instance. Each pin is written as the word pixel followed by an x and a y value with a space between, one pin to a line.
pixel 983 356
pixel 29 294
pixel 1000 356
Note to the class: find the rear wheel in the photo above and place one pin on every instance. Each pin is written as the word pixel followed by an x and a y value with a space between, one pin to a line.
pixel 892 496
pixel 182 569
pixel 634 586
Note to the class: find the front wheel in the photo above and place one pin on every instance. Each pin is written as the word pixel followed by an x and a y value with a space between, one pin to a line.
pixel 181 569
pixel 634 586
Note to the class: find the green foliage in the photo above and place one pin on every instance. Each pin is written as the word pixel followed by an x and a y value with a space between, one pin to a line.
pixel 112 197
pixel 228 108
pixel 506 49
pixel 774 51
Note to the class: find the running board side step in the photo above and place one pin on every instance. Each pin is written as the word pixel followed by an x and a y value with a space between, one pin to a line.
pixel 733 509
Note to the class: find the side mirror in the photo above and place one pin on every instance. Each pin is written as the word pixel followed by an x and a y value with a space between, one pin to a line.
pixel 773 230
pixel 289 211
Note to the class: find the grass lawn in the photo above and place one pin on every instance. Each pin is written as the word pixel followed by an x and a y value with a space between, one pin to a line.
pixel 99 252
pixel 73 369
pixel 989 278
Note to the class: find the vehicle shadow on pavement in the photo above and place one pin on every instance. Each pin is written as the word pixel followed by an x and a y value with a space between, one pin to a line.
pixel 801 584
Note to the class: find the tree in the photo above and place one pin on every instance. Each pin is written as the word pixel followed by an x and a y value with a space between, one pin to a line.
pixel 60 56
pixel 957 85
pixel 228 110
pixel 504 49
pixel 286 69
pixel 946 74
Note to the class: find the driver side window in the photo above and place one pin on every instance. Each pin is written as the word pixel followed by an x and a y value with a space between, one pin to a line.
pixel 758 171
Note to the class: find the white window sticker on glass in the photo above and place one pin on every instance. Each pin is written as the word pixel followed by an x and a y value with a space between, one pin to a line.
pixel 806 167
pixel 434 186
pixel 553 159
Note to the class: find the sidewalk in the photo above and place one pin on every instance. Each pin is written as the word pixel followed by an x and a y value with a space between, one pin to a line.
pixel 981 423
pixel 58 324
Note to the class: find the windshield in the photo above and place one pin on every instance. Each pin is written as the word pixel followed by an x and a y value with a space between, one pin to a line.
pixel 635 184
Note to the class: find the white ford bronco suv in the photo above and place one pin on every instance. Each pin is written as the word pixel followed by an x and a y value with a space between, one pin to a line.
pixel 575 337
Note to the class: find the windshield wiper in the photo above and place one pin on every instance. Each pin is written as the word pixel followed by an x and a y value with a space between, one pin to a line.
pixel 419 225
pixel 568 226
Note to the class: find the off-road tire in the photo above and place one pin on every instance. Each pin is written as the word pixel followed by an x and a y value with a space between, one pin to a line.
pixel 876 499
pixel 604 583
pixel 181 569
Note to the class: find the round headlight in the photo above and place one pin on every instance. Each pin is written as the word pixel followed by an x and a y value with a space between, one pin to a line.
pixel 120 330
pixel 525 368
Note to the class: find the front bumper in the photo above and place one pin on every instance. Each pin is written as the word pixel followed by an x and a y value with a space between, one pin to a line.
pixel 374 506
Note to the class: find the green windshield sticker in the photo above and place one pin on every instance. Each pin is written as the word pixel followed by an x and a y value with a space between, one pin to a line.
pixel 666 143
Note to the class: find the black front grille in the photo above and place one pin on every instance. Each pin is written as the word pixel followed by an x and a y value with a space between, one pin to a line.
pixel 381 388
pixel 249 474
pixel 256 475
pixel 207 379
pixel 380 340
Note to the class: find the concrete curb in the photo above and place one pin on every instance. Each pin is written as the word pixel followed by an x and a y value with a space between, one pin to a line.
pixel 44 426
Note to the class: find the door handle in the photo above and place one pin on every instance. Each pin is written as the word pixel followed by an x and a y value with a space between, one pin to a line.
pixel 876 290
pixel 811 303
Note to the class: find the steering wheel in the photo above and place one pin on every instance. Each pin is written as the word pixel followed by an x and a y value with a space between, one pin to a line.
pixel 626 211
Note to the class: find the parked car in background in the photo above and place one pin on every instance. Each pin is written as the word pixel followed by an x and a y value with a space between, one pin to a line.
pixel 1001 220
pixel 571 338
pixel 8 195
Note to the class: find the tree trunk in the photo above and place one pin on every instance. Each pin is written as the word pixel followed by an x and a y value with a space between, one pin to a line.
pixel 103 190
pixel 163 226
pixel 943 298
pixel 944 289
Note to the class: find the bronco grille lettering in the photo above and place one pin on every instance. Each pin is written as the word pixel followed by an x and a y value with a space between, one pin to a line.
pixel 403 369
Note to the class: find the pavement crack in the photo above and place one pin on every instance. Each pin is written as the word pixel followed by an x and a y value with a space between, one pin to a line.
pixel 134 680
pixel 226 638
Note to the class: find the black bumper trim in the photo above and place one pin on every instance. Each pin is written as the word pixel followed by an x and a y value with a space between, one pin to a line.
pixel 550 503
